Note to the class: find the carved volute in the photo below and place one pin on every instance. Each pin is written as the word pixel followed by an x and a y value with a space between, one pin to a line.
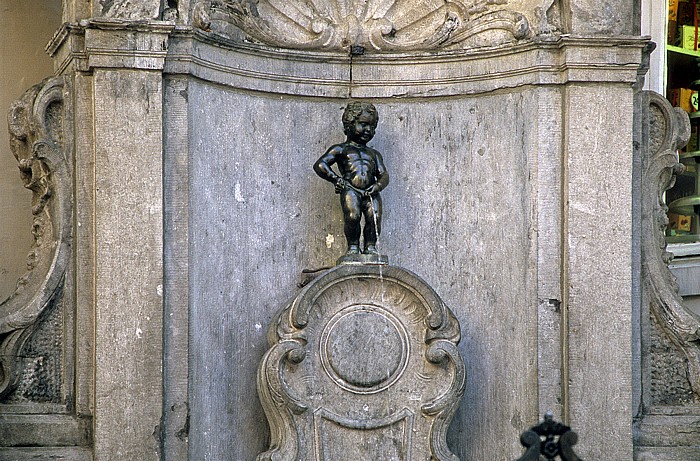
pixel 39 142
pixel 669 130
pixel 363 364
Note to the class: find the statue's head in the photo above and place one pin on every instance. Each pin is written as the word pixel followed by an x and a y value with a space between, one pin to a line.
pixel 353 110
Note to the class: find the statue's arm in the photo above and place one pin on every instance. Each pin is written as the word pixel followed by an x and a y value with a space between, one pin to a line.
pixel 382 174
pixel 322 167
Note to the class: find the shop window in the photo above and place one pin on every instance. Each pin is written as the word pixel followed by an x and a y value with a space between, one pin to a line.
pixel 683 83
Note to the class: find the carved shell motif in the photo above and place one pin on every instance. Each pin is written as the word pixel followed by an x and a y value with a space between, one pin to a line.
pixel 365 25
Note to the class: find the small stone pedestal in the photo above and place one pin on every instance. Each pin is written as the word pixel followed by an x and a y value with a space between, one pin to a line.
pixel 363 366
pixel 367 259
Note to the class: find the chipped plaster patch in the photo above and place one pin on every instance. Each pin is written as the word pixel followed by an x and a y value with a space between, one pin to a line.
pixel 237 193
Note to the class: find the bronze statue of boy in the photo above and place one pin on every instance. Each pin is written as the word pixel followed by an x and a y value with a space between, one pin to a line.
pixel 362 176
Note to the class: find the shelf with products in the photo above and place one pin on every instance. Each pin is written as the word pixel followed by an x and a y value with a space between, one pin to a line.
pixel 683 83
pixel 684 197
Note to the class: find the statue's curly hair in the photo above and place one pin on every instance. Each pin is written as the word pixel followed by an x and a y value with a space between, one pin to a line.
pixel 354 109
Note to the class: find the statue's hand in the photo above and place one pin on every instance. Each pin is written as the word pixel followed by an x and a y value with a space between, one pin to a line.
pixel 339 185
pixel 372 190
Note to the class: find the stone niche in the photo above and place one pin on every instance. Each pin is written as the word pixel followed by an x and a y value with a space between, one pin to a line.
pixel 474 144
pixel 263 216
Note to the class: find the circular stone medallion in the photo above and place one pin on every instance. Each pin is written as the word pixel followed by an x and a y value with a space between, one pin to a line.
pixel 364 349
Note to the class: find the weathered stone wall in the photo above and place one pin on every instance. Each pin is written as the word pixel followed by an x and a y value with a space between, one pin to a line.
pixel 475 207
pixel 196 210
pixel 262 216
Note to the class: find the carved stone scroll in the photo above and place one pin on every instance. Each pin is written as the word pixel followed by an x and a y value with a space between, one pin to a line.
pixel 669 130
pixel 39 141
pixel 378 25
pixel 363 364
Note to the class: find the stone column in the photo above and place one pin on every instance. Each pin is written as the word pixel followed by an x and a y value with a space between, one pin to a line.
pixel 597 267
pixel 128 237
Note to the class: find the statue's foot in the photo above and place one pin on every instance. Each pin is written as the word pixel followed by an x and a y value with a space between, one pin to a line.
pixel 368 256
pixel 371 250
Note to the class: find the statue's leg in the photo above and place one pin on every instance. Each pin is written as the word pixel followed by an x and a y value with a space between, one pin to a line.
pixel 350 202
pixel 372 210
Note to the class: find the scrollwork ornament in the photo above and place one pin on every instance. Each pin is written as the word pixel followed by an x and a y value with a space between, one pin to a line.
pixel 669 129
pixel 39 142
pixel 445 406
pixel 362 350
pixel 278 401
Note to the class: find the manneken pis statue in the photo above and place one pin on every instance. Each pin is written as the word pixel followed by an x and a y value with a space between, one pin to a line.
pixel 362 176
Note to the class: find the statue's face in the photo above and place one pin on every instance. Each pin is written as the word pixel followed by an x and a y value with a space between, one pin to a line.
pixel 362 129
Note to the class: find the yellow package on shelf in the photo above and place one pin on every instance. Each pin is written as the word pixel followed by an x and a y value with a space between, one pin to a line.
pixel 688 38
pixel 672 22
pixel 679 222
pixel 672 10
pixel 683 98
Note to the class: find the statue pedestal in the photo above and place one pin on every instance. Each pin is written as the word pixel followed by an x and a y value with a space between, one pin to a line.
pixel 375 259
pixel 363 364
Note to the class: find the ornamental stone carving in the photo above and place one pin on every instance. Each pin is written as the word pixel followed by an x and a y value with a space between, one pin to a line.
pixel 363 364
pixel 39 141
pixel 128 9
pixel 367 25
pixel 669 129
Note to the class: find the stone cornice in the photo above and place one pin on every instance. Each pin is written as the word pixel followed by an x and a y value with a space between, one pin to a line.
pixel 542 61
pixel 110 43
pixel 160 45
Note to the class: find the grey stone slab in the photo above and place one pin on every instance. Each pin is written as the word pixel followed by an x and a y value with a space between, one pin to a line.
pixel 260 215
pixel 675 427
pixel 84 255
pixel 251 185
pixel 123 44
pixel 598 267
pixel 26 430
pixel 128 264
pixel 176 292
pixel 259 68
pixel 603 17
pixel 549 212
pixel 553 60
pixel 46 454
pixel 667 453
